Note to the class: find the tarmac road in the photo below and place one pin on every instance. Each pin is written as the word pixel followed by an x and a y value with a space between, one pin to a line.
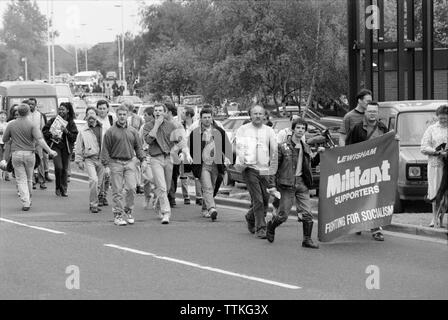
pixel 193 258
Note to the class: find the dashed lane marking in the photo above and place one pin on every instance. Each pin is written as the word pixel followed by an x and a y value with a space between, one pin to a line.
pixel 32 227
pixel 212 269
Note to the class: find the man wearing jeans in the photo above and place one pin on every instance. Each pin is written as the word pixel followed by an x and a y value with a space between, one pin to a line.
pixel 256 157
pixel 39 120
pixel 87 155
pixel 23 134
pixel 294 180
pixel 161 135
pixel 210 148
pixel 120 146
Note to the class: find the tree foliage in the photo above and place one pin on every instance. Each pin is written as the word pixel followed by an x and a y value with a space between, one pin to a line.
pixel 24 32
pixel 275 51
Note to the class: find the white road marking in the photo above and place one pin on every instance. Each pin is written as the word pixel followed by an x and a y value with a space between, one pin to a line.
pixel 292 217
pixel 33 227
pixel 195 265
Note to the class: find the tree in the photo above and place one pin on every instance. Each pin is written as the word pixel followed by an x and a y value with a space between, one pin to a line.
pixel 9 66
pixel 170 71
pixel 24 30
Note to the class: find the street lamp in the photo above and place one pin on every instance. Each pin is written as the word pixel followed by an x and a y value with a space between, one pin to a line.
pixel 24 59
pixel 122 41
pixel 83 25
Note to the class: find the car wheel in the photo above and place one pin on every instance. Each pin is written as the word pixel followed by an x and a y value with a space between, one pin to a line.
pixel 227 179
pixel 398 206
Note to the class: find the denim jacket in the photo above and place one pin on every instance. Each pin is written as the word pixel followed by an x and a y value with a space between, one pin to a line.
pixel 287 164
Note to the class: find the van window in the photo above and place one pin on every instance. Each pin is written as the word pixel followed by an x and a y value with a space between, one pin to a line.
pixel 46 105
pixel 412 125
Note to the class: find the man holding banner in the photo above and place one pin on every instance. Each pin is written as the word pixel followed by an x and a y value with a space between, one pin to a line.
pixel 369 128
pixel 294 180
pixel 358 182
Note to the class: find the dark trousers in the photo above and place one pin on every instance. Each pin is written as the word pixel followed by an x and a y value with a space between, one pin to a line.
pixel 173 188
pixel 257 186
pixel 61 163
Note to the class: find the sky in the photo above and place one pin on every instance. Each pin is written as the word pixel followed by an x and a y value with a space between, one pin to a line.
pixel 90 21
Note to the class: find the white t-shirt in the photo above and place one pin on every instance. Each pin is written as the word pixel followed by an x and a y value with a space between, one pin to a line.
pixel 253 147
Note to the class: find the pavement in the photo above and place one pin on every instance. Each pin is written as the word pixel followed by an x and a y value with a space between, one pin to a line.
pixel 415 223
pixel 58 250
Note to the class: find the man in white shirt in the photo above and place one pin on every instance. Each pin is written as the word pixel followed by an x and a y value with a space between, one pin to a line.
pixel 256 157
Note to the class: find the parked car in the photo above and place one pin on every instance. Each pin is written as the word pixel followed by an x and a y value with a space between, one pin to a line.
pixel 410 119
pixel 232 124
pixel 92 99
pixel 314 128
pixel 111 75
pixel 79 106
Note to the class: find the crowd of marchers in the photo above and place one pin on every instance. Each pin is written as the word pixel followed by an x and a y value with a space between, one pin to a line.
pixel 122 152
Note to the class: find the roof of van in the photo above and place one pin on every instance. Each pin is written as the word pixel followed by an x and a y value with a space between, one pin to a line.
pixel 27 88
pixel 86 73
pixel 414 103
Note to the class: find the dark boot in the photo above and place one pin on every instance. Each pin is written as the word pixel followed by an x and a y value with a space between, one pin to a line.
pixel 270 229
pixel 307 231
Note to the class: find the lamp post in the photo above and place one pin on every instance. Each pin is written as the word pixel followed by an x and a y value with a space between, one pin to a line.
pixel 83 25
pixel 24 59
pixel 122 42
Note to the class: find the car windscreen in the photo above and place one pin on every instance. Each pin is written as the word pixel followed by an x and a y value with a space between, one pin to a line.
pixel 131 99
pixel 412 125
pixel 280 125
pixel 46 105
pixel 195 100
pixel 83 78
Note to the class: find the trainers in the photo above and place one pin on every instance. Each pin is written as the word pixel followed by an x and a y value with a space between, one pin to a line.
pixel 94 210
pixel 378 236
pixel 119 221
pixel 261 234
pixel 105 203
pixel 25 208
pixel 129 218
pixel 165 219
pixel 43 186
pixel 199 201
pixel 213 214
pixel 186 201
pixel 205 213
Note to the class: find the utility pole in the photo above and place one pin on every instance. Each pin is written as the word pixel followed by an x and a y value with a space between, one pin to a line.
pixel 24 59
pixel 52 43
pixel 48 42
pixel 119 58
pixel 122 38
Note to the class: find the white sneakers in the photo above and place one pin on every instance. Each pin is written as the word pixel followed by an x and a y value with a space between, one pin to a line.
pixel 129 218
pixel 119 221
pixel 165 219
pixel 124 219
pixel 205 213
